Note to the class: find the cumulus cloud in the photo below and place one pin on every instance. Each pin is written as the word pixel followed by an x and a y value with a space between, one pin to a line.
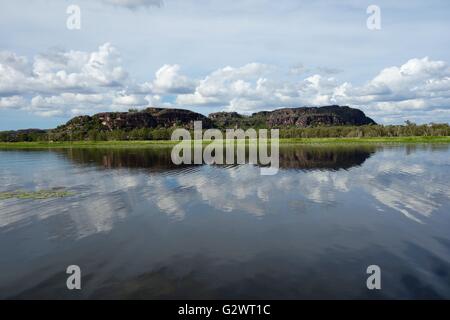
pixel 67 103
pixel 67 83
pixel 73 104
pixel 14 72
pixel 77 69
pixel 250 88
pixel 168 80
pixel 226 84
pixel 12 102
pixel 419 86
pixel 59 70
pixel 61 83
pixel 130 100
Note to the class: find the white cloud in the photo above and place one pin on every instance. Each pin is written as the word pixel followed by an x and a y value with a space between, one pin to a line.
pixel 169 81
pixel 396 93
pixel 67 104
pixel 12 102
pixel 419 85
pixel 249 89
pixel 59 70
pixel 226 84
pixel 130 100
pixel 13 72
pixel 77 69
pixel 64 83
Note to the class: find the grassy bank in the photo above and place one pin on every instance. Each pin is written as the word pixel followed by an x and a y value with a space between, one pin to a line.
pixel 168 143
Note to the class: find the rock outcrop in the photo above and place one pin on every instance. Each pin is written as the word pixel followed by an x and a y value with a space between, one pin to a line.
pixel 125 120
pixel 154 118
pixel 226 119
pixel 177 117
pixel 328 115
pixel 295 117
pixel 148 118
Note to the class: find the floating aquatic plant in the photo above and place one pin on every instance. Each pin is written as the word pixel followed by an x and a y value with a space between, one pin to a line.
pixel 36 195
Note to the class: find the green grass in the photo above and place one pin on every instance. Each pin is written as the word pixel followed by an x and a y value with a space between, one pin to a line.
pixel 35 195
pixel 379 140
pixel 168 143
pixel 88 144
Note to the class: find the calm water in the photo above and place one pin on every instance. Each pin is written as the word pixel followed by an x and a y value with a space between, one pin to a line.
pixel 140 227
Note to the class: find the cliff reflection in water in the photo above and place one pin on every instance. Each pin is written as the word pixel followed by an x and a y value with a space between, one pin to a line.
pixel 158 159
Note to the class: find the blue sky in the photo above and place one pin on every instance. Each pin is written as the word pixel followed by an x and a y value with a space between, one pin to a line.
pixel 210 55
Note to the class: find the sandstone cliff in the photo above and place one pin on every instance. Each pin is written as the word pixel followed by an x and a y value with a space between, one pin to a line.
pixel 147 118
pixel 294 117
pixel 79 128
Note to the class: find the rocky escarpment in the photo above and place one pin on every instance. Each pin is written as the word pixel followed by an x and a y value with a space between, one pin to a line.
pixel 223 119
pixel 148 118
pixel 294 117
pixel 124 125
pixel 177 117
pixel 328 115
pixel 125 120
pixel 168 118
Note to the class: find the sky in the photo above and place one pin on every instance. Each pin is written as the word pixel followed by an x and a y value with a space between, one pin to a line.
pixel 211 55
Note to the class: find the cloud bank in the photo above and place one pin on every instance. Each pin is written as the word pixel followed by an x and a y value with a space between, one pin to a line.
pixel 68 83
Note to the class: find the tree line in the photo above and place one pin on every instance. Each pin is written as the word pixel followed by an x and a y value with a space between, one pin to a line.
pixel 408 129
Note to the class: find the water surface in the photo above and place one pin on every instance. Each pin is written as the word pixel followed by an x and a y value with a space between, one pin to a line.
pixel 141 227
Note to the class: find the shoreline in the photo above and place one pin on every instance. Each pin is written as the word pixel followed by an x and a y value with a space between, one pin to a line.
pixel 169 143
